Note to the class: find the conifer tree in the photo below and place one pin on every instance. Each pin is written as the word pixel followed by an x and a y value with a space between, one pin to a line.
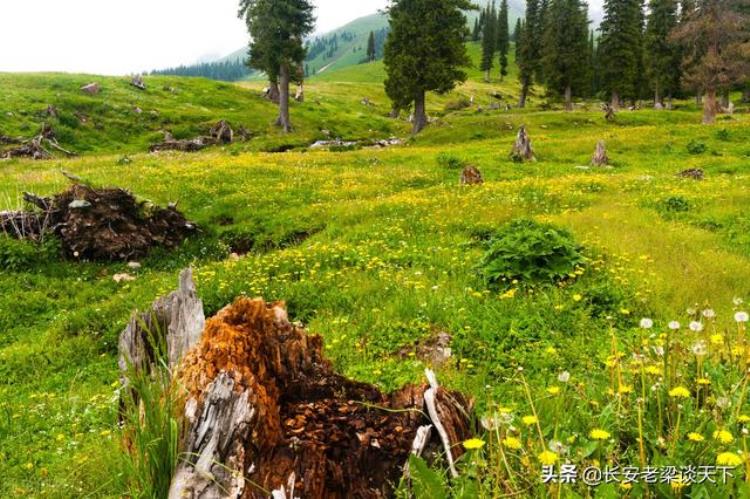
pixel 619 47
pixel 277 30
pixel 424 52
pixel 475 34
pixel 516 32
pixel 371 51
pixel 527 50
pixel 503 37
pixel 489 41
pixel 662 56
pixel 540 29
pixel 566 41
pixel 716 49
pixel 593 66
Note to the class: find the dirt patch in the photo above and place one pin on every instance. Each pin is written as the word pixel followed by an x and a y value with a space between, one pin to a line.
pixel 99 224
pixel 264 404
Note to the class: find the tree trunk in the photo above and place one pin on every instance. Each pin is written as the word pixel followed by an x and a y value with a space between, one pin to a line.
pixel 568 98
pixel 615 105
pixel 746 96
pixel 420 115
pixel 524 94
pixel 395 112
pixel 709 107
pixel 283 120
pixel 272 93
pixel 725 100
pixel 657 97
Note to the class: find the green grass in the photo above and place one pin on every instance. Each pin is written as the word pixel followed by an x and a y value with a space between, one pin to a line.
pixel 392 254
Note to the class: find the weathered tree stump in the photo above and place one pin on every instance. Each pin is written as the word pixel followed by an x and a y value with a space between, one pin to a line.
pixel 692 173
pixel 222 132
pixel 522 150
pixel 609 112
pixel 137 82
pixel 266 412
pixel 91 88
pixel 600 157
pixel 471 176
pixel 272 93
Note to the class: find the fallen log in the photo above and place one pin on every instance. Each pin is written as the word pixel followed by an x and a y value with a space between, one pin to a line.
pixel 266 412
pixel 34 147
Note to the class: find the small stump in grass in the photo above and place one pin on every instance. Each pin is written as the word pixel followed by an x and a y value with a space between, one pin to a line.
pixel 471 176
pixel 692 173
pixel 522 150
pixel 600 157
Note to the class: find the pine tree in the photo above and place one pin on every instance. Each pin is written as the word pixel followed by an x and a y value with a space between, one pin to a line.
pixel 566 39
pixel 662 56
pixel 371 54
pixel 619 48
pixel 715 41
pixel 489 41
pixel 516 32
pixel 503 38
pixel 593 66
pixel 528 49
pixel 540 29
pixel 476 34
pixel 425 51
pixel 277 29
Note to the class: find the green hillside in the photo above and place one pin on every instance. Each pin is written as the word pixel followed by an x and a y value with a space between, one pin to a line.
pixel 379 250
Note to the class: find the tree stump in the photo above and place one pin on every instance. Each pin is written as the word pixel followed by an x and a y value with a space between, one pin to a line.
pixel 137 82
pixel 609 112
pixel 522 150
pixel 266 412
pixel 300 95
pixel 471 176
pixel 600 157
pixel 222 132
pixel 91 88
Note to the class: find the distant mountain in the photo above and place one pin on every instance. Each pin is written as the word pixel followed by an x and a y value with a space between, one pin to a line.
pixel 340 48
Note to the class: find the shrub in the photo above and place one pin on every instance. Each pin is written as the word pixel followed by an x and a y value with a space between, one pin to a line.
pixel 696 147
pixel 17 255
pixel 531 252
pixel 675 204
pixel 449 161
pixel 723 135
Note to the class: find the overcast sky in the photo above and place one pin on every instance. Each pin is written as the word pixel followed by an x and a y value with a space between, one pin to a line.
pixel 116 37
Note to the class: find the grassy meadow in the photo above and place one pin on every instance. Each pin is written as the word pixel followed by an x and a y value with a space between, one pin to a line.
pixel 379 249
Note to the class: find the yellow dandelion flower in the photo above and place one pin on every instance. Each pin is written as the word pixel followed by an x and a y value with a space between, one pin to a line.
pixel 512 443
pixel 678 483
pixel 742 418
pixel 695 437
pixel 509 294
pixel 717 339
pixel 553 390
pixel 550 350
pixel 626 486
pixel 530 420
pixel 703 381
pixel 728 459
pixel 548 458
pixel 723 436
pixel 473 444
pixel 571 439
pixel 624 389
pixel 653 370
pixel 679 392
pixel 599 434
pixel 577 297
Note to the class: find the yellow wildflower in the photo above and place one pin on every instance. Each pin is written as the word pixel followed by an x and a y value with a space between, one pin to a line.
pixel 548 458
pixel 473 443
pixel 653 370
pixel 695 437
pixel 509 294
pixel 723 436
pixel 553 390
pixel 530 420
pixel 577 297
pixel 703 381
pixel 679 392
pixel 512 443
pixel 599 434
pixel 728 459
pixel 742 418
pixel 717 339
pixel 624 389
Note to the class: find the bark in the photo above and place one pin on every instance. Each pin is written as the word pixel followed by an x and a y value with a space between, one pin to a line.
pixel 272 92
pixel 568 98
pixel 420 113
pixel 524 94
pixel 522 150
pixel 600 157
pixel 283 120
pixel 615 103
pixel 709 107
pixel 266 412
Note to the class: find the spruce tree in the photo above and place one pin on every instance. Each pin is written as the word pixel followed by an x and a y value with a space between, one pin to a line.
pixel 566 40
pixel 715 40
pixel 371 54
pixel 475 33
pixel 489 41
pixel 540 29
pixel 424 52
pixel 277 29
pixel 516 32
pixel 503 37
pixel 619 47
pixel 662 55
pixel 593 66
pixel 528 49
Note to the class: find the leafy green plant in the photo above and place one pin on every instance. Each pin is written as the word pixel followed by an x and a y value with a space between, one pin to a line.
pixel 532 253
pixel 696 147
pixel 674 204
pixel 449 161
pixel 18 255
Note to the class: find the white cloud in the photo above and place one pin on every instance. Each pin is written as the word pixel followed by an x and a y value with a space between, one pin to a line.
pixel 108 37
